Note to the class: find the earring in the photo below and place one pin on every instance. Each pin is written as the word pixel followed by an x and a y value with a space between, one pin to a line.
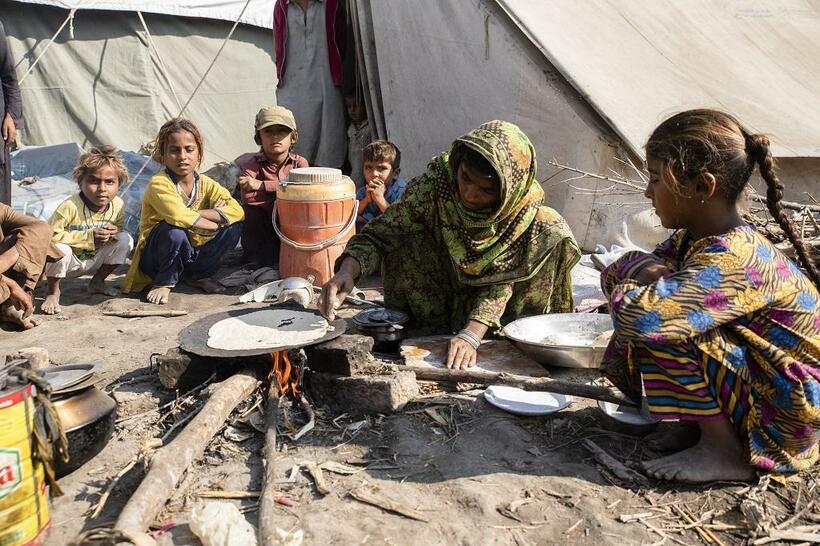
pixel 702 202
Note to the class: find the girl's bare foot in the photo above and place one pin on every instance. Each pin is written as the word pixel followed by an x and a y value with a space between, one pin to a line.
pixel 718 456
pixel 98 286
pixel 208 286
pixel 51 306
pixel 9 314
pixel 159 295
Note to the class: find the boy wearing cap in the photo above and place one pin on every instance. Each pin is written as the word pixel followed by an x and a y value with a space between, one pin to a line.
pixel 275 132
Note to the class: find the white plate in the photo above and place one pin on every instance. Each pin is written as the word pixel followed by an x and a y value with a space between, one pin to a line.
pixel 521 402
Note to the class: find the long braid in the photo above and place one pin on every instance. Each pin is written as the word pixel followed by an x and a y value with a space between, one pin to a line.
pixel 758 148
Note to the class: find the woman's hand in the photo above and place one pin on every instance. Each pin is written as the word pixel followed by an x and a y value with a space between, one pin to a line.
pixel 338 287
pixel 460 354
pixel 652 273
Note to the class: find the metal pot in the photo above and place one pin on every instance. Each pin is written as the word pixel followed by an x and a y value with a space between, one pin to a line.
pixel 384 326
pixel 87 417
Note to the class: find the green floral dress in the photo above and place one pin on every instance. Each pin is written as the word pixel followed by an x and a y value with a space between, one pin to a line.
pixel 445 264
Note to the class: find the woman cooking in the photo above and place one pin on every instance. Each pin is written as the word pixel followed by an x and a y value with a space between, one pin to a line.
pixel 469 247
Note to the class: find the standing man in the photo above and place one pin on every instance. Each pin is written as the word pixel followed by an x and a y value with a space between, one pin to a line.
pixel 309 40
pixel 11 107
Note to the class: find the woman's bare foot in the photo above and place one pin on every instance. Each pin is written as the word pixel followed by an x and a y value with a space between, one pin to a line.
pixel 718 456
pixel 9 314
pixel 51 306
pixel 208 286
pixel 159 295
pixel 98 286
pixel 672 436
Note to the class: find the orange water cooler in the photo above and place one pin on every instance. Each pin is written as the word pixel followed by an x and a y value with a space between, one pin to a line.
pixel 315 217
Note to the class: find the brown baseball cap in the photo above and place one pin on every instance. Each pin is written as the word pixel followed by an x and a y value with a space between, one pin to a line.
pixel 274 115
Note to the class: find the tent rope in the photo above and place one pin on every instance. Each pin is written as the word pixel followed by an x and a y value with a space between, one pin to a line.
pixel 68 19
pixel 188 102
pixel 162 67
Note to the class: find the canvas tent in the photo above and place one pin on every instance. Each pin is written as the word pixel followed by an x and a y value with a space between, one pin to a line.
pixel 104 79
pixel 588 80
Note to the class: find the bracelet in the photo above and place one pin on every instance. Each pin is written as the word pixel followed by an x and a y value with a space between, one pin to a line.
pixel 469 337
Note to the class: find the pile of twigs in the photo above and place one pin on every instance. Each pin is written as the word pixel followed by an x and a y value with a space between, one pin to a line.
pixel 805 217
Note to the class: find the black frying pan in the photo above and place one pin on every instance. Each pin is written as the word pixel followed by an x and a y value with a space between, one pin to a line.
pixel 194 338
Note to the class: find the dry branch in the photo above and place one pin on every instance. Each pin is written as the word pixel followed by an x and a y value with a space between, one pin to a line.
pixel 607 394
pixel 134 313
pixel 170 462
pixel 613 465
pixel 387 504
pixel 266 532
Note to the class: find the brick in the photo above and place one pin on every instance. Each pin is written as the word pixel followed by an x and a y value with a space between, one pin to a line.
pixel 387 391
pixel 346 355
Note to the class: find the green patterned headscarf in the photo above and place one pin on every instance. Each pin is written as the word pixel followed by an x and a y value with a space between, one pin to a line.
pixel 510 243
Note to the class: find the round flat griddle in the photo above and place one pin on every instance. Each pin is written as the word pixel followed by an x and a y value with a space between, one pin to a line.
pixel 194 338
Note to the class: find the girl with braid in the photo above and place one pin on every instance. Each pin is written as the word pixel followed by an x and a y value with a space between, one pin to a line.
pixel 717 326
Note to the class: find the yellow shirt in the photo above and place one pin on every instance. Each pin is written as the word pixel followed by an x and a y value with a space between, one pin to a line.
pixel 161 202
pixel 73 224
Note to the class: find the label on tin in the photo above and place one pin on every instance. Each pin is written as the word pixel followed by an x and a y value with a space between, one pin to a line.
pixel 11 471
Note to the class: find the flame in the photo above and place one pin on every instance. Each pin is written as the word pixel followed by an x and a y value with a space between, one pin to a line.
pixel 284 374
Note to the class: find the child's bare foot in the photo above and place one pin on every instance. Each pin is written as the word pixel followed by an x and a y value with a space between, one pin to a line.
pixel 718 456
pixel 159 295
pixel 208 286
pixel 98 286
pixel 52 304
pixel 9 314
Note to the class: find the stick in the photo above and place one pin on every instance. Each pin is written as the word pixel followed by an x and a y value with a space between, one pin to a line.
pixel 606 394
pixel 794 536
pixel 267 497
pixel 387 504
pixel 789 204
pixel 170 462
pixel 318 478
pixel 613 465
pixel 133 313
pixel 707 535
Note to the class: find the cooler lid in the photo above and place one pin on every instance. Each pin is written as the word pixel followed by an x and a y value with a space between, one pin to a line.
pixel 314 175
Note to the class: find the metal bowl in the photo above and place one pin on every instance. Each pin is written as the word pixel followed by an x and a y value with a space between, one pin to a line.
pixel 569 340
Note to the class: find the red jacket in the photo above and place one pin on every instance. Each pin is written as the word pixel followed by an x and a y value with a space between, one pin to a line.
pixel 335 21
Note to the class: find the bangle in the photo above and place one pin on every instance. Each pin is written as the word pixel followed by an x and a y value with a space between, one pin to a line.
pixel 470 338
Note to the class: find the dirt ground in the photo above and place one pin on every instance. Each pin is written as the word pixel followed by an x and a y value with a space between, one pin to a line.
pixel 478 474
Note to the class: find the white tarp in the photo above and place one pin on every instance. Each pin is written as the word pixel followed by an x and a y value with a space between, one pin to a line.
pixel 637 61
pixel 258 13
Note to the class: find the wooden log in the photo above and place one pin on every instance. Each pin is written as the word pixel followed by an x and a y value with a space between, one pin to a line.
pixel 620 471
pixel 267 497
pixel 169 463
pixel 606 394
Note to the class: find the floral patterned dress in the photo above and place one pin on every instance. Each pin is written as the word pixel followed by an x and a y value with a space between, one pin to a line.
pixel 733 332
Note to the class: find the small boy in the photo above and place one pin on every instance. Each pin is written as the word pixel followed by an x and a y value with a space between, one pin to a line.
pixel 383 185
pixel 87 227
pixel 358 136
pixel 275 132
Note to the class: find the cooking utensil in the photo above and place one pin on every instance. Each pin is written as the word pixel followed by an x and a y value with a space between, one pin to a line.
pixel 194 338
pixel 626 419
pixel 384 326
pixel 71 389
pixel 60 377
pixel 521 402
pixel 570 340
pixel 88 419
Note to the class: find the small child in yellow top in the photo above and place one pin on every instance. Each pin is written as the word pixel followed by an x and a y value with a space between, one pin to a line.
pixel 188 221
pixel 87 227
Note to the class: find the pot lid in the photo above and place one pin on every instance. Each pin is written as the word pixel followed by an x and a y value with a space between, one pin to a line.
pixel 61 377
pixel 380 316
